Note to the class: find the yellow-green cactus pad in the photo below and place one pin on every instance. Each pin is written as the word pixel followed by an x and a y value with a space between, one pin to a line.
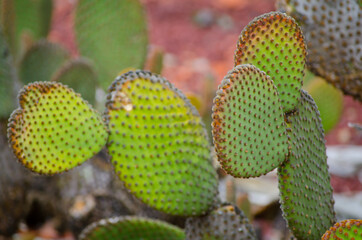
pixel 274 43
pixel 132 228
pixel 54 129
pixel 41 61
pixel 113 34
pixel 248 126
pixel 333 31
pixel 224 223
pixel 329 101
pixel 350 229
pixel 159 146
pixel 80 76
pixel 306 194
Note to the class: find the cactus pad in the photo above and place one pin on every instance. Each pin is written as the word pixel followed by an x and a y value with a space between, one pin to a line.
pixel 41 61
pixel 350 229
pixel 248 123
pixel 54 130
pixel 113 34
pixel 159 146
pixel 79 75
pixel 274 43
pixel 304 181
pixel 225 223
pixel 333 31
pixel 329 101
pixel 132 228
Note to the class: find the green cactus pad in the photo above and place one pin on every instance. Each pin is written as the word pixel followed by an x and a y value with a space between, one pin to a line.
pixel 54 130
pixel 248 123
pixel 225 223
pixel 334 37
pixel 350 229
pixel 132 228
pixel 159 146
pixel 41 61
pixel 304 182
pixel 7 71
pixel 31 17
pixel 113 34
pixel 274 43
pixel 79 75
pixel 329 101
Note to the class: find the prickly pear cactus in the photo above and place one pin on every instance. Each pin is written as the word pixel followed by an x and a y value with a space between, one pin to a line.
pixel 304 182
pixel 333 34
pixel 248 123
pixel 113 34
pixel 54 130
pixel 329 101
pixel 224 223
pixel 7 78
pixel 274 43
pixel 79 75
pixel 41 61
pixel 350 229
pixel 158 145
pixel 132 228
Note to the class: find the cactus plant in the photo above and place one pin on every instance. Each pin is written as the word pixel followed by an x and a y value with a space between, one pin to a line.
pixel 350 229
pixel 159 146
pixel 132 228
pixel 333 35
pixel 111 48
pixel 248 124
pixel 224 223
pixel 304 182
pixel 275 44
pixel 51 130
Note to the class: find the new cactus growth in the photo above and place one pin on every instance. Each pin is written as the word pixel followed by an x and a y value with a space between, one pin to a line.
pixel 248 123
pixel 54 130
pixel 132 228
pixel 104 36
pixel 304 182
pixel 350 229
pixel 333 34
pixel 224 223
pixel 274 43
pixel 159 146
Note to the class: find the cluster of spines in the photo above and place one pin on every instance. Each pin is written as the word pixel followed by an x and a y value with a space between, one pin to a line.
pixel 350 229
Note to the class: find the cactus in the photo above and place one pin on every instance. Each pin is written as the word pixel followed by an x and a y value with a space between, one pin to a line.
pixel 248 124
pixel 113 34
pixel 21 17
pixel 54 130
pixel 304 182
pixel 159 146
pixel 350 229
pixel 275 44
pixel 224 223
pixel 333 35
pixel 41 61
pixel 132 228
pixel 329 101
pixel 7 78
pixel 80 76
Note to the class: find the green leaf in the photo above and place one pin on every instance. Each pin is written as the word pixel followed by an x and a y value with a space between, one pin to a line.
pixel 224 223
pixel 159 146
pixel 113 34
pixel 79 75
pixel 274 43
pixel 350 229
pixel 248 123
pixel 304 182
pixel 132 228
pixel 41 62
pixel 54 129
